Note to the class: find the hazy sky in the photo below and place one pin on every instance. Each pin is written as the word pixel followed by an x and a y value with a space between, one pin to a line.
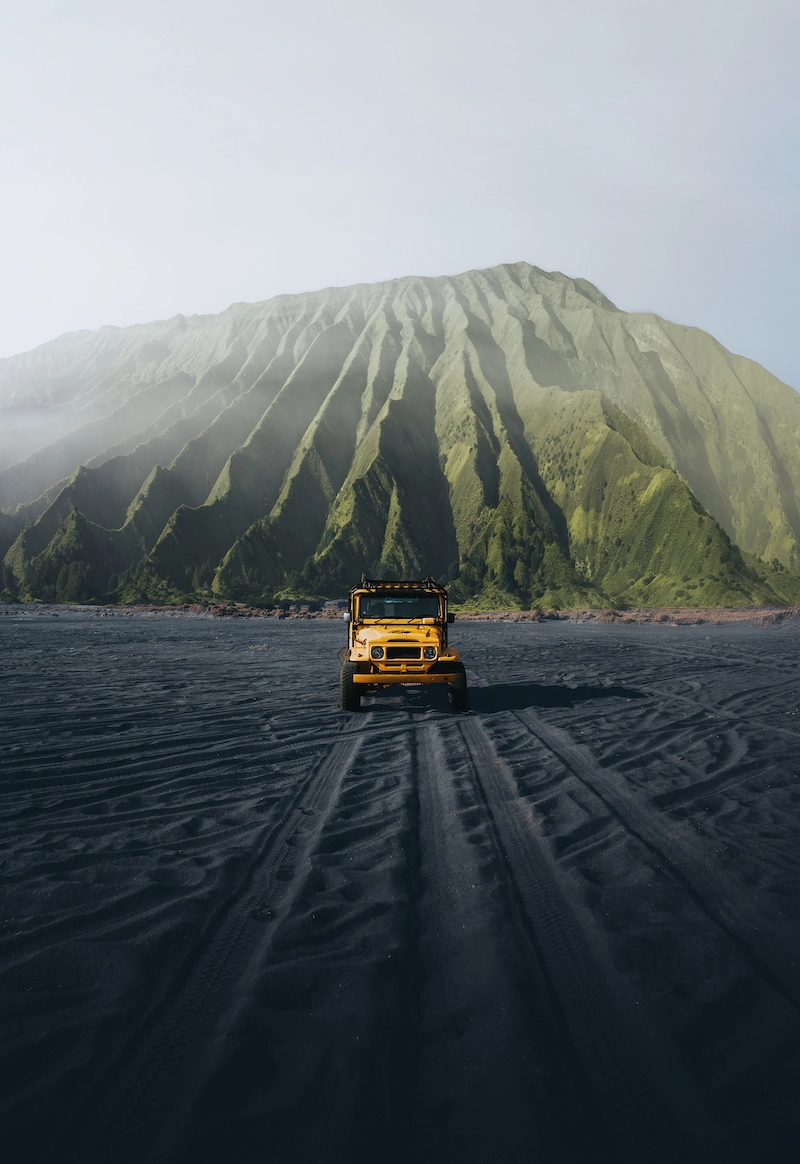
pixel 167 155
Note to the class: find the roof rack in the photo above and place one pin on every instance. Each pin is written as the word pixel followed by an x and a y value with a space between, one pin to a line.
pixel 428 583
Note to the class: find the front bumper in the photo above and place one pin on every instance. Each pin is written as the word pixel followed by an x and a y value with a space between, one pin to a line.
pixel 440 671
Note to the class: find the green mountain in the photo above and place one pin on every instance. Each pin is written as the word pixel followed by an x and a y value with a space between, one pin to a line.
pixel 509 431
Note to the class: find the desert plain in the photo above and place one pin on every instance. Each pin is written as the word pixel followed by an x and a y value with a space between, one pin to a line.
pixel 239 924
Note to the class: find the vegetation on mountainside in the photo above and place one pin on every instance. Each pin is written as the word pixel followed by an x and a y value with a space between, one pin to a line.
pixel 73 568
pixel 9 531
pixel 509 431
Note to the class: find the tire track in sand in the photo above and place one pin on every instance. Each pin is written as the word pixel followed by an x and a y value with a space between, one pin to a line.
pixel 153 1068
pixel 687 854
pixel 642 1117
pixel 493 1062
pixel 321 1060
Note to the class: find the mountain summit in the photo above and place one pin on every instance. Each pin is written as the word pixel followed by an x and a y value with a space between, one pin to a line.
pixel 509 431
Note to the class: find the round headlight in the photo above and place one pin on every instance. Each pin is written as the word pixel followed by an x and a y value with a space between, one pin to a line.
pixel 377 652
pixel 429 652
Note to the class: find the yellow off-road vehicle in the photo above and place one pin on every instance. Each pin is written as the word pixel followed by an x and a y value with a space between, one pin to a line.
pixel 397 633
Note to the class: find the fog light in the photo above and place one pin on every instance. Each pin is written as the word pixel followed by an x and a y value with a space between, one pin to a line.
pixel 377 652
pixel 429 653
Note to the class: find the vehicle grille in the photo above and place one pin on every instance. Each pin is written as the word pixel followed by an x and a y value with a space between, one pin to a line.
pixel 403 652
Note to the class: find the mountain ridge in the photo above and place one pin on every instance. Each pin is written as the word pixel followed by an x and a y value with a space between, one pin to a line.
pixel 510 430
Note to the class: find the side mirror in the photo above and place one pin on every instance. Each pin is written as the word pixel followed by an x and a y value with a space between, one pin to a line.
pixel 450 616
pixel 346 616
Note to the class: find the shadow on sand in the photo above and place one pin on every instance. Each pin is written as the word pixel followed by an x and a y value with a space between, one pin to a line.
pixel 501 697
pixel 516 697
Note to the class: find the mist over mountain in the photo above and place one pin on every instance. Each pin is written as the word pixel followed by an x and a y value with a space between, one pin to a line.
pixel 509 430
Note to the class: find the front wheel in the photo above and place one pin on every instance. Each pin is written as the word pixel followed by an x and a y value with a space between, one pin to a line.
pixel 457 690
pixel 349 694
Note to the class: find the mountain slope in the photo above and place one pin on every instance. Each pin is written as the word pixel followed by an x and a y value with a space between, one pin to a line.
pixel 509 430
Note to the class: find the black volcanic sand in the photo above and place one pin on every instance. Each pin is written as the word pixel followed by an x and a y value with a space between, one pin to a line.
pixel 238 924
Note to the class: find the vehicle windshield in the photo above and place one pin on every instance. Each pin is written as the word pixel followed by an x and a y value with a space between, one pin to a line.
pixel 408 605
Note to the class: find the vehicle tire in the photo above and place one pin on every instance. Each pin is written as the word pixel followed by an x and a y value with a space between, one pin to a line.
pixel 349 694
pixel 457 690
